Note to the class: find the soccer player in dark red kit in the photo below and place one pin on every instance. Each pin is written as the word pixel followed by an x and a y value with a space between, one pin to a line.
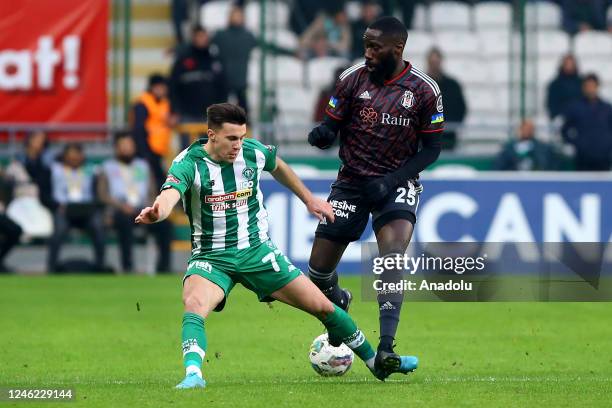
pixel 389 116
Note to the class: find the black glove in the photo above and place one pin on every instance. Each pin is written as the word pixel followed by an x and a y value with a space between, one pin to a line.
pixel 375 191
pixel 322 137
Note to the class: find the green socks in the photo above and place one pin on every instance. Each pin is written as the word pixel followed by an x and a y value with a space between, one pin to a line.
pixel 194 343
pixel 340 326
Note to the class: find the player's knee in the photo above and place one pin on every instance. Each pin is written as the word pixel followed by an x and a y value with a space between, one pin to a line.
pixel 322 307
pixel 193 303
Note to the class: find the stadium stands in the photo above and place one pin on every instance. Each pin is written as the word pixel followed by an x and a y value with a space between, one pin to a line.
pixel 477 42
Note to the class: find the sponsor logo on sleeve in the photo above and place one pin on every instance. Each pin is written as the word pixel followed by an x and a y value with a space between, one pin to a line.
pixel 439 105
pixel 332 102
pixel 172 179
pixel 438 118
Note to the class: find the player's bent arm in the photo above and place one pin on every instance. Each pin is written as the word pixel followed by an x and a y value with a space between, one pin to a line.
pixel 161 208
pixel 324 135
pixel 377 189
pixel 287 177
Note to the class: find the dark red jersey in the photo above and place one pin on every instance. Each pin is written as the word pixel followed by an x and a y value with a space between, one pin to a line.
pixel 382 124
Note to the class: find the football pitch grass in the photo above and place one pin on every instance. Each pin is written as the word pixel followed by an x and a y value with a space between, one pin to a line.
pixel 116 342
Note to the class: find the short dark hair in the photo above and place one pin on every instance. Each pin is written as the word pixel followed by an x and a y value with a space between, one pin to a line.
pixel 70 146
pixel 221 113
pixel 121 134
pixel 591 76
pixel 436 51
pixel 196 28
pixel 156 79
pixel 390 27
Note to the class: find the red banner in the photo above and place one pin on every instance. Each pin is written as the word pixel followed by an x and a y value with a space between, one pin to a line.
pixel 53 61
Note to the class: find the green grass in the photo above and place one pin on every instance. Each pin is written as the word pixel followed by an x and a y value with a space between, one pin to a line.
pixel 86 333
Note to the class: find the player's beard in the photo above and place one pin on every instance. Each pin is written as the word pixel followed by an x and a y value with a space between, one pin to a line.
pixel 127 159
pixel 383 70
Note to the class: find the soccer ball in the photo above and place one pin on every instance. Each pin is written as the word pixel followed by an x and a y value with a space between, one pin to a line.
pixel 328 360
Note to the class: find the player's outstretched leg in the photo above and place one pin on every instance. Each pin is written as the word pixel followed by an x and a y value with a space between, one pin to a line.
pixel 200 297
pixel 324 258
pixel 303 294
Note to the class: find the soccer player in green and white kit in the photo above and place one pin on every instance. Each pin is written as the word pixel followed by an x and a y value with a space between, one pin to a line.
pixel 218 181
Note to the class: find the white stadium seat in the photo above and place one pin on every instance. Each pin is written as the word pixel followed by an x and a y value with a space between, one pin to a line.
pixel 353 10
pixel 297 99
pixel 494 44
pixel 288 70
pixel 592 43
pixel 554 43
pixel 543 15
pixel 283 70
pixel 277 15
pixel 487 99
pixel 458 43
pixel 286 39
pixel 602 66
pixel 494 15
pixel 450 15
pixel 420 19
pixel 606 92
pixel 547 69
pixel 321 70
pixel 214 15
pixel 418 43
pixel 467 71
pixel 486 125
pixel 499 71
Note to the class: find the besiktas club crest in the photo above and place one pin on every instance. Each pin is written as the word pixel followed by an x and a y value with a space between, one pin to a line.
pixel 407 100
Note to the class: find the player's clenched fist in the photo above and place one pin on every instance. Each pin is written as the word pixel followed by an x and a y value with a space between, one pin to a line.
pixel 321 136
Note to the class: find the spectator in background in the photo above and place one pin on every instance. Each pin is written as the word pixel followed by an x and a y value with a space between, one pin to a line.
pixel 125 185
pixel 197 79
pixel 330 27
pixel 584 15
pixel 324 95
pixel 10 231
pixel 588 126
pixel 72 182
pixel 179 9
pixel 526 152
pixel 369 12
pixel 565 88
pixel 234 46
pixel 304 12
pixel 31 171
pixel 152 125
pixel 455 108
pixel 406 7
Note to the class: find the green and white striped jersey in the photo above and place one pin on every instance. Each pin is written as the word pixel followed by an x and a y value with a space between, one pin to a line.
pixel 223 200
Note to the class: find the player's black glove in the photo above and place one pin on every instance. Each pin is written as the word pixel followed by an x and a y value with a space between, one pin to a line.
pixel 322 137
pixel 375 191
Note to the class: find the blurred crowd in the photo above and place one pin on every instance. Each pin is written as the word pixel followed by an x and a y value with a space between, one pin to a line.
pixel 46 194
